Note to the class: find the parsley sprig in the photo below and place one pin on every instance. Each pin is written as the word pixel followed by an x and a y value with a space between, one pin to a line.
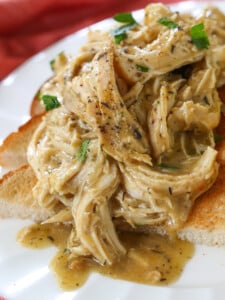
pixel 50 102
pixel 199 37
pixel 198 34
pixel 142 68
pixel 82 153
pixel 52 63
pixel 165 21
pixel 121 32
pixel 125 18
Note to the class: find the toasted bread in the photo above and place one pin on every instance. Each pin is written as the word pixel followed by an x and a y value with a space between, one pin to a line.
pixel 16 198
pixel 220 145
pixel 36 108
pixel 14 147
pixel 206 222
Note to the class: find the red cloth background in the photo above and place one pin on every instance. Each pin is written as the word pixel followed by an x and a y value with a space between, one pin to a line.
pixel 28 26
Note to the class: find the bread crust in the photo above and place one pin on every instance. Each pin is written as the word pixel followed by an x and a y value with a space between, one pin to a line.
pixel 14 148
pixel 16 198
pixel 206 222
pixel 36 108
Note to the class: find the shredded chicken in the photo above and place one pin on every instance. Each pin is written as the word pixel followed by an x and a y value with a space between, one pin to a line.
pixel 132 141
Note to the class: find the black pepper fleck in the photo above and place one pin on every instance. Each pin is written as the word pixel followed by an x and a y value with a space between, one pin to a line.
pixel 137 134
pixel 101 55
pixel 105 104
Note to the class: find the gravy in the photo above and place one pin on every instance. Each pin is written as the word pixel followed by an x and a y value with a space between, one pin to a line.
pixel 150 259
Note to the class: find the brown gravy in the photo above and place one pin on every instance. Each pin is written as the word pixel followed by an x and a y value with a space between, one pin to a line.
pixel 150 259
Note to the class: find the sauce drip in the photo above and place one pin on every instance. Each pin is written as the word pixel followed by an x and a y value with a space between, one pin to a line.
pixel 150 259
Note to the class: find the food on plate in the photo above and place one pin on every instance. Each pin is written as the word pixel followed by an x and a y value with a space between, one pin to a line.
pixel 13 150
pixel 127 139
pixel 205 224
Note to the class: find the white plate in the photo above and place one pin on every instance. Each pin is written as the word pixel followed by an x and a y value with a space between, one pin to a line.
pixel 24 273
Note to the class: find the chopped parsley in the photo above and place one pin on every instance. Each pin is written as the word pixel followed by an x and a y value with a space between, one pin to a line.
pixel 142 68
pixel 199 37
pixel 125 18
pixel 82 154
pixel 50 102
pixel 121 32
pixel 218 138
pixel 52 62
pixel 165 21
pixel 118 38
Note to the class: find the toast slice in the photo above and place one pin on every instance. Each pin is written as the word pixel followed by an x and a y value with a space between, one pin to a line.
pixel 36 108
pixel 206 222
pixel 14 148
pixel 16 198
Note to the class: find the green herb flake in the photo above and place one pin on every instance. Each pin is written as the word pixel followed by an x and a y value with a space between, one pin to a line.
pixel 82 154
pixel 52 62
pixel 120 37
pixel 218 138
pixel 121 32
pixel 125 18
pixel 122 29
pixel 50 102
pixel 142 68
pixel 199 37
pixel 165 21
pixel 129 23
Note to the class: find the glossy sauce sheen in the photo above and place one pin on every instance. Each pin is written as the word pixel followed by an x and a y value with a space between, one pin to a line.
pixel 150 259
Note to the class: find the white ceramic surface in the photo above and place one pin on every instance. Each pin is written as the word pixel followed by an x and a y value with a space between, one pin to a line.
pixel 24 273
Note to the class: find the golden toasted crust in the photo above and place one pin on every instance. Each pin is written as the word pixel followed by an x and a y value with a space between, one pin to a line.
pixel 16 198
pixel 206 222
pixel 14 147
pixel 36 108
pixel 24 178
pixel 220 146
pixel 209 210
